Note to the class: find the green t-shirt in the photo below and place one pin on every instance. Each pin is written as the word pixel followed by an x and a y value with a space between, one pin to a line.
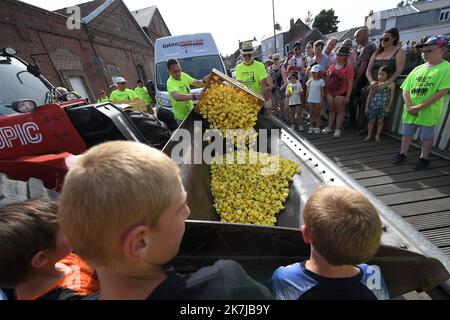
pixel 422 84
pixel 125 95
pixel 181 109
pixel 142 94
pixel 251 75
pixel 100 100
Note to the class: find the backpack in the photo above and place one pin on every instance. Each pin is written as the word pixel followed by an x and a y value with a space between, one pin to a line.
pixel 276 77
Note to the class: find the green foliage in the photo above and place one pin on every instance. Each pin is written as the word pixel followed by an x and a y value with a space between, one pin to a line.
pixel 326 21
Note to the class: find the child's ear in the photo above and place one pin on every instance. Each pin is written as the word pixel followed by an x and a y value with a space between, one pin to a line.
pixel 306 234
pixel 40 259
pixel 136 243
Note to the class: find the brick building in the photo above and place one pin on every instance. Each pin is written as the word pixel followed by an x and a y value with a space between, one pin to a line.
pixel 108 43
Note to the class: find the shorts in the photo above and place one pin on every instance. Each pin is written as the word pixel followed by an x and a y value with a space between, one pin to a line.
pixel 339 95
pixel 295 106
pixel 268 104
pixel 376 113
pixel 425 133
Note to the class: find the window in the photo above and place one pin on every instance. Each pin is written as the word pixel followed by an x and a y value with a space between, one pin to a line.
pixel 444 16
pixel 113 71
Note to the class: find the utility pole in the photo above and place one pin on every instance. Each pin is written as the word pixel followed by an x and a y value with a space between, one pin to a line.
pixel 274 29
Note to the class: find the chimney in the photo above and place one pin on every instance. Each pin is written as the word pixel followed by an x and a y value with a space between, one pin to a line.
pixel 292 22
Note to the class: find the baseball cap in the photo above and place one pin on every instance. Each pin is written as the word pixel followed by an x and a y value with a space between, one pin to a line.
pixel 316 68
pixel 439 40
pixel 120 80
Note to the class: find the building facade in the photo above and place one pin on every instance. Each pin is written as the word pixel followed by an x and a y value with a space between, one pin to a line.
pixel 105 43
pixel 414 21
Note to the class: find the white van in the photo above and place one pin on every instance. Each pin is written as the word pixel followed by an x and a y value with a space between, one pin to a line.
pixel 197 54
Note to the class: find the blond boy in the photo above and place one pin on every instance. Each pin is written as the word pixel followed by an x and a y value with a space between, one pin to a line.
pixel 344 230
pixel 124 207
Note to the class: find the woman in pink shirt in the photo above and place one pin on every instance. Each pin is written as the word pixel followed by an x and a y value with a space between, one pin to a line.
pixel 339 89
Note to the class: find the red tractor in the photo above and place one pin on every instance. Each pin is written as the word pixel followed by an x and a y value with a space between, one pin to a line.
pixel 41 130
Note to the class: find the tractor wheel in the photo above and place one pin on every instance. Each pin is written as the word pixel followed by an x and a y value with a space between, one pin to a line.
pixel 154 130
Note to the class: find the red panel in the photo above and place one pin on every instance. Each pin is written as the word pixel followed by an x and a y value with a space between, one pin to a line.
pixel 51 169
pixel 47 130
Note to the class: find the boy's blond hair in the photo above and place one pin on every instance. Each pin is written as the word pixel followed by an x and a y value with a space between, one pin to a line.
pixel 345 227
pixel 110 189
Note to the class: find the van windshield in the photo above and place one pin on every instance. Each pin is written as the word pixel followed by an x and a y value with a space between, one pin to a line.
pixel 196 67
pixel 17 83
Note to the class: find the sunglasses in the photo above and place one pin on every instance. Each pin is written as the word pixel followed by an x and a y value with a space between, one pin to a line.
pixel 385 39
pixel 295 49
pixel 276 59
pixel 428 50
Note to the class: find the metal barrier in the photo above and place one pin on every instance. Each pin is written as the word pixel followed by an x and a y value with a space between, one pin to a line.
pixel 394 123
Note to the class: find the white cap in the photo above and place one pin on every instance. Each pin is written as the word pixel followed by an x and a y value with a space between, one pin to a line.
pixel 316 68
pixel 120 79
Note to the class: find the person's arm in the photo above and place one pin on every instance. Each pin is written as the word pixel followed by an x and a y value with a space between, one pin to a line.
pixel 283 74
pixel 350 76
pixel 391 97
pixel 399 65
pixel 308 84
pixel 200 83
pixel 369 97
pixel 183 96
pixel 415 109
pixel 322 96
pixel 363 65
pixel 369 69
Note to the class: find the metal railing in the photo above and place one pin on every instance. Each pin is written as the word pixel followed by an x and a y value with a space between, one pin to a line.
pixel 442 137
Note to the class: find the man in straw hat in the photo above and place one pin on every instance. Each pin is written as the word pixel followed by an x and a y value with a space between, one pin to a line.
pixel 252 73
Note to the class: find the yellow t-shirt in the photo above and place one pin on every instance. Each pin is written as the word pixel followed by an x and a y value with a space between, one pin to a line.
pixel 181 109
pixel 125 95
pixel 251 75
pixel 142 94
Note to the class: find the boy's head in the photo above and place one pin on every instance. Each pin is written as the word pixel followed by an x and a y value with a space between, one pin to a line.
pixel 315 71
pixel 293 77
pixel 342 226
pixel 385 73
pixel 124 202
pixel 29 240
pixel 433 48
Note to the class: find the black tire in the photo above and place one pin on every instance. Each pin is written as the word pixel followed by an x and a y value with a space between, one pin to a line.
pixel 12 191
pixel 154 130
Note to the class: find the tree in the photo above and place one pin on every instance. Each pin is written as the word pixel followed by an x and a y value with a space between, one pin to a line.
pixel 309 18
pixel 408 2
pixel 326 21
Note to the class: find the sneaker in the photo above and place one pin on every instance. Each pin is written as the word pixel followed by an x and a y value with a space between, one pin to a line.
pixel 300 128
pixel 310 130
pixel 400 157
pixel 337 133
pixel 293 126
pixel 317 130
pixel 422 164
pixel 326 130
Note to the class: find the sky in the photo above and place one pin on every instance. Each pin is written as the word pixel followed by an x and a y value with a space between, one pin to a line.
pixel 232 21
